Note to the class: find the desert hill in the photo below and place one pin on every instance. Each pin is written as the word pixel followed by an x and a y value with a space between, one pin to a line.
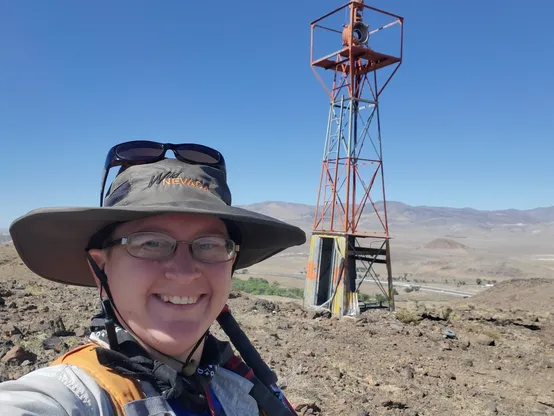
pixel 531 295
pixel 494 359
pixel 445 244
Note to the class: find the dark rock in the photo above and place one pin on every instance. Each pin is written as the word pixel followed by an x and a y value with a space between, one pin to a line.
pixel 303 408
pixel 54 343
pixel 2 301
pixel 10 329
pixel 320 314
pixel 17 355
pixel 3 350
pixel 5 293
pixel 393 404
pixel 57 328
pixel 265 306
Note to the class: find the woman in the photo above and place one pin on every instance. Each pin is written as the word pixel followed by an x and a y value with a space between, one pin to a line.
pixel 161 249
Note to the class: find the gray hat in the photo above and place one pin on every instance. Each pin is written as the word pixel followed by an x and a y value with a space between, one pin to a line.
pixel 52 242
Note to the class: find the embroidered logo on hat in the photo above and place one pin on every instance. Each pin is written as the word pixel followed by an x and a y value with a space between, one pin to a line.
pixel 173 178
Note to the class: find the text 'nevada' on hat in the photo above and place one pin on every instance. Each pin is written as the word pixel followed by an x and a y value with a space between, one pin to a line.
pixel 52 242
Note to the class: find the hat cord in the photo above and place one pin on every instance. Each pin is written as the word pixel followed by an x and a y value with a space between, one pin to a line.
pixel 262 391
pixel 113 342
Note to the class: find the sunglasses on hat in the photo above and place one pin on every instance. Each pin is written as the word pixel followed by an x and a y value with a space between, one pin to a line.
pixel 142 151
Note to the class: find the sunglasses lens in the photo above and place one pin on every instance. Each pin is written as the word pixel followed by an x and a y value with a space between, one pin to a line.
pixel 198 154
pixel 139 151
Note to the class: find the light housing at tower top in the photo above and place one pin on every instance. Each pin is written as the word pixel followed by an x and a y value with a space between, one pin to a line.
pixel 355 33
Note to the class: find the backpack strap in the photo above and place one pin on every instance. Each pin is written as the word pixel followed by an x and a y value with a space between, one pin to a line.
pixel 121 390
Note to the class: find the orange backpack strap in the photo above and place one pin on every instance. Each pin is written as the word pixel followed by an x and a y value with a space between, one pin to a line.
pixel 120 389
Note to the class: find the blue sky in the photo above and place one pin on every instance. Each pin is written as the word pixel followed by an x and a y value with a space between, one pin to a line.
pixel 467 121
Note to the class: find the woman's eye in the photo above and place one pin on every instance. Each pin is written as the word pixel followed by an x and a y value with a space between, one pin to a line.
pixel 152 244
pixel 207 246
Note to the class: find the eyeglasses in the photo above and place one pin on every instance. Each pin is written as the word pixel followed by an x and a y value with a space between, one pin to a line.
pixel 140 152
pixel 158 246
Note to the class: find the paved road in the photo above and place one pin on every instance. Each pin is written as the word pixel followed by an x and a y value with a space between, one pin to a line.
pixel 434 289
pixel 371 281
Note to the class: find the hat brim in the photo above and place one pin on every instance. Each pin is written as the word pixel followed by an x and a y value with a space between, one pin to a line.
pixel 52 242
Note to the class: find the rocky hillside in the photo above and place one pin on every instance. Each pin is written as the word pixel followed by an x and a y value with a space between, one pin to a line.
pixel 468 358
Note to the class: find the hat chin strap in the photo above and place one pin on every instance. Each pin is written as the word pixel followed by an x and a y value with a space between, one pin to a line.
pixel 188 367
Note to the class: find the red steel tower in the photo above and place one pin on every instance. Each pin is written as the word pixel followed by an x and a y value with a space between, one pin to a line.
pixel 350 239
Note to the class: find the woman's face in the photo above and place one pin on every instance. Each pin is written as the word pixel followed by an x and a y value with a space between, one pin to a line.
pixel 169 303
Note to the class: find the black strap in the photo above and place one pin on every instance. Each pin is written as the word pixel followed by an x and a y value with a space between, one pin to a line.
pixel 248 352
pixel 132 361
pixel 261 375
pixel 189 390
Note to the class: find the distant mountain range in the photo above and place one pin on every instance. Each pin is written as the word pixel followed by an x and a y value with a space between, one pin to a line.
pixel 4 236
pixel 435 242
pixel 443 242
pixel 401 215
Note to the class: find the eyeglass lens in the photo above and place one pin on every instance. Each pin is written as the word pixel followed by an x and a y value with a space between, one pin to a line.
pixel 158 246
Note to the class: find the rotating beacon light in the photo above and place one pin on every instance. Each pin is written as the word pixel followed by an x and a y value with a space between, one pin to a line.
pixel 356 33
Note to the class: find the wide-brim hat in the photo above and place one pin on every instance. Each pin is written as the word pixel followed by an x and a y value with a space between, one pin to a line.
pixel 52 242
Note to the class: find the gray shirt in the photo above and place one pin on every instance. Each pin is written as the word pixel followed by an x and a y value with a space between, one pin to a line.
pixel 63 390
